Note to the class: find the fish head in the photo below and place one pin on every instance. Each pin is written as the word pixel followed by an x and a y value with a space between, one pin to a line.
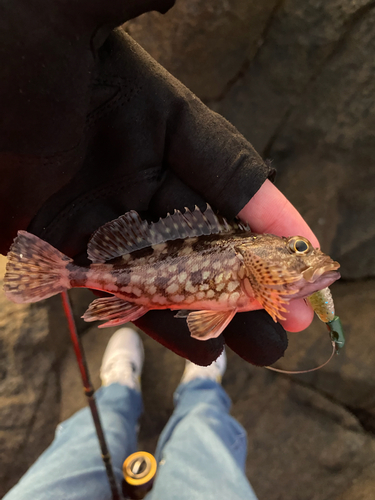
pixel 316 270
pixel 280 269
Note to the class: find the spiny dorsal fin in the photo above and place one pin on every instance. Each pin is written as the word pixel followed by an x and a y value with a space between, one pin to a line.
pixel 118 237
pixel 129 233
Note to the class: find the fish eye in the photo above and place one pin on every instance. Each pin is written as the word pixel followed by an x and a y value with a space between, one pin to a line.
pixel 299 245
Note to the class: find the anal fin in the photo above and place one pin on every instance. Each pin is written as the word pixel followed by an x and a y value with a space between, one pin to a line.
pixel 114 311
pixel 204 325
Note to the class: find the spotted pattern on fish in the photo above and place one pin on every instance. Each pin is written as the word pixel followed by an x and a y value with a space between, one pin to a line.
pixel 165 275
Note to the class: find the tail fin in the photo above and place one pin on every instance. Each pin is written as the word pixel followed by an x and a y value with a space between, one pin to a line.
pixel 35 270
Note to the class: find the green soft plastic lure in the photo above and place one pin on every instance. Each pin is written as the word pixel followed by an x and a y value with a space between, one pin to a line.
pixel 322 303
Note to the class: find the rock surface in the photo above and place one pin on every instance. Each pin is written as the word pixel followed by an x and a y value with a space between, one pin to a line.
pixel 335 124
pixel 301 445
pixel 302 39
pixel 205 44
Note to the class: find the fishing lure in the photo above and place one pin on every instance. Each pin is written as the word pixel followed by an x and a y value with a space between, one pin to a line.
pixel 323 306
pixel 322 303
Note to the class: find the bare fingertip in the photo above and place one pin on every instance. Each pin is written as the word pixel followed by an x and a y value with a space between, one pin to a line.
pixel 299 317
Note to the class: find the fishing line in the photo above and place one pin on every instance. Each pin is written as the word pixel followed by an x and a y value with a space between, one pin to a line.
pixel 294 372
pixel 89 392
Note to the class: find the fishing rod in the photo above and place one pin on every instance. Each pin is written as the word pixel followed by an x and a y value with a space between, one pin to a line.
pixel 89 392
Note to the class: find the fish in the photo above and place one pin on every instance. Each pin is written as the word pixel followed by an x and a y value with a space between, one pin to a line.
pixel 196 263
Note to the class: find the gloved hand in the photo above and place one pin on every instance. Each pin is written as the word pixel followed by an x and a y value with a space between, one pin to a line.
pixel 92 127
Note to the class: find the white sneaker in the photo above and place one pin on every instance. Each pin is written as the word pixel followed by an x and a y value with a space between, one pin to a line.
pixel 123 359
pixel 214 371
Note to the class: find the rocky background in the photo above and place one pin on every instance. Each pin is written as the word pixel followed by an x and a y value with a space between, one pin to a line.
pixel 297 78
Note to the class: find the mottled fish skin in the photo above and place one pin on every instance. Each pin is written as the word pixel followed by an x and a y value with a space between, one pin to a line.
pixel 193 261
pixel 204 271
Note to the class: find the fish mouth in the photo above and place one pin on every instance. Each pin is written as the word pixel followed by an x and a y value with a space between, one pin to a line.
pixel 323 281
pixel 312 274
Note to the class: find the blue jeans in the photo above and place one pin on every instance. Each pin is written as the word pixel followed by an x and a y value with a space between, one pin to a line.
pixel 201 452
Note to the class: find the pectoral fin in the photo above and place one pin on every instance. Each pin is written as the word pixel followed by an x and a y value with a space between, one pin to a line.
pixel 268 284
pixel 113 310
pixel 204 325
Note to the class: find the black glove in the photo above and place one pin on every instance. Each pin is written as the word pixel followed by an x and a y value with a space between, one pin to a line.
pixel 92 127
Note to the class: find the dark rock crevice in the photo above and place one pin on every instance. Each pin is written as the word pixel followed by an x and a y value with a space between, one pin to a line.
pixel 365 417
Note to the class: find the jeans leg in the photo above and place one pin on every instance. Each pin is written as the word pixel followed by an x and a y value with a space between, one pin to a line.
pixel 72 468
pixel 202 450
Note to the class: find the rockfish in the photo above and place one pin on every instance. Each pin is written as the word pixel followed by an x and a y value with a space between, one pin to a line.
pixel 197 263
